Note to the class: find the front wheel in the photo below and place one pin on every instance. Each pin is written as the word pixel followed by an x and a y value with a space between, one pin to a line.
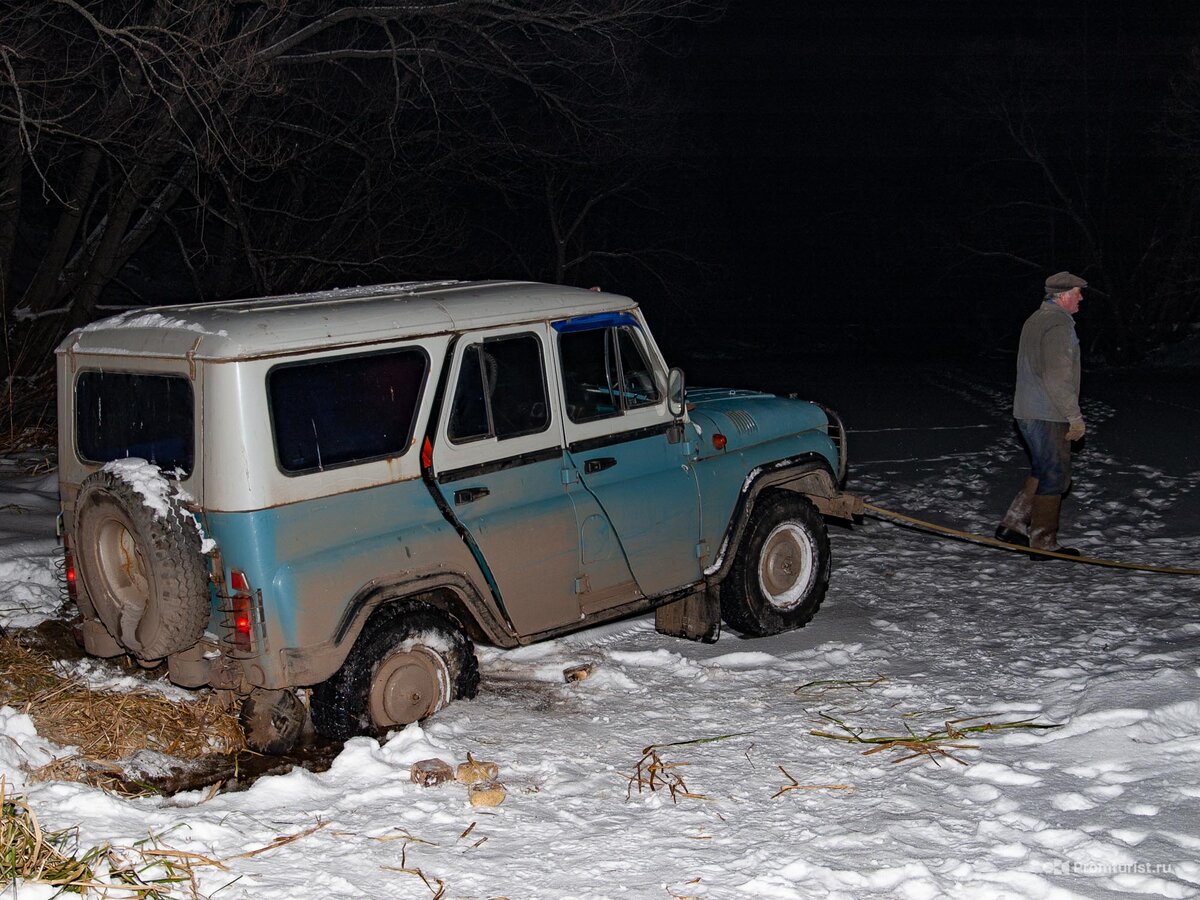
pixel 781 572
pixel 410 660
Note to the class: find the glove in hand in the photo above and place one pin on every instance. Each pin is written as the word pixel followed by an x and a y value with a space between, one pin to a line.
pixel 1076 431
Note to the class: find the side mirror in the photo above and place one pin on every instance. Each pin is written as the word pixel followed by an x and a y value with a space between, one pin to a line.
pixel 676 393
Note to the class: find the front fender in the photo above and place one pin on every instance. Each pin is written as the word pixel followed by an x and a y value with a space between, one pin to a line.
pixel 808 474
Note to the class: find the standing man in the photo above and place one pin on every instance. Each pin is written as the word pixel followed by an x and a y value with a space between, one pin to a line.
pixel 1046 407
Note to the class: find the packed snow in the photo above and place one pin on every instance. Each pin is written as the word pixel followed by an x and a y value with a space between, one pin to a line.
pixel 147 480
pixel 135 319
pixel 162 495
pixel 918 634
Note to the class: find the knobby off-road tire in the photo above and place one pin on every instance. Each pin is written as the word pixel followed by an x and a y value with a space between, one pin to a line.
pixel 410 660
pixel 142 571
pixel 781 571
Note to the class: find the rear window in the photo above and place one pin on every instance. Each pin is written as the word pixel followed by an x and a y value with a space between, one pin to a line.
pixel 345 410
pixel 125 414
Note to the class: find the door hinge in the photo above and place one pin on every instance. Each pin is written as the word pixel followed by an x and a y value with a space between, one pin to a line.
pixel 570 475
pixel 581 585
pixel 702 550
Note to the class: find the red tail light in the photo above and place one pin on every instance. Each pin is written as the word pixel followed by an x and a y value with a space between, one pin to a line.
pixel 719 440
pixel 69 568
pixel 242 621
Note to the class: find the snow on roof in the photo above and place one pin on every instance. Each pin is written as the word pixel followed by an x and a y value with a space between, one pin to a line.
pixel 296 322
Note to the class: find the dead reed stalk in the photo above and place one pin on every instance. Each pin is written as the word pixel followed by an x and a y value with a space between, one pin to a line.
pixel 652 774
pixel 930 745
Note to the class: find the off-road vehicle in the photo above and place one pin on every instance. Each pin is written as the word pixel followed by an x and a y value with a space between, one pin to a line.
pixel 345 491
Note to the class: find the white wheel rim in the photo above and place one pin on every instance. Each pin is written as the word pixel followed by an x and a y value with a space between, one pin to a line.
pixel 787 565
pixel 122 565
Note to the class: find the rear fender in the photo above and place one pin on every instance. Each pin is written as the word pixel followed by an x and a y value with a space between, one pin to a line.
pixel 453 593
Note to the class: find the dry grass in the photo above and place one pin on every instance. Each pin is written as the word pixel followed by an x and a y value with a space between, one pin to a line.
pixel 35 855
pixel 652 774
pixel 147 870
pixel 436 886
pixel 932 744
pixel 109 726
pixel 797 786
pixel 816 690
pixel 31 853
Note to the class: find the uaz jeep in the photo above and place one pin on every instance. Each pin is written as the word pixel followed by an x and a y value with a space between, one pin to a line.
pixel 344 491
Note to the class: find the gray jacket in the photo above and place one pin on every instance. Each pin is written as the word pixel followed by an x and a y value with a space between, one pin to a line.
pixel 1048 367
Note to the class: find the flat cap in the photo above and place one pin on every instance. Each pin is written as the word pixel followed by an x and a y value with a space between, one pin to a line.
pixel 1063 281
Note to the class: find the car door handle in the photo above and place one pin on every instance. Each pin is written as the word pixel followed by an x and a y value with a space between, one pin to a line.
pixel 599 464
pixel 469 495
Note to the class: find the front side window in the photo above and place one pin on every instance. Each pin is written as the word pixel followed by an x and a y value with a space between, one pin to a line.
pixel 501 390
pixel 606 372
pixel 130 414
pixel 346 409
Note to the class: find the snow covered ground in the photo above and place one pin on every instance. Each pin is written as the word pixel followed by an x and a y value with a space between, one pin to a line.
pixel 1108 805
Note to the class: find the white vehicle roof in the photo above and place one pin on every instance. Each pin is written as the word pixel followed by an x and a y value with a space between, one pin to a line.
pixel 238 329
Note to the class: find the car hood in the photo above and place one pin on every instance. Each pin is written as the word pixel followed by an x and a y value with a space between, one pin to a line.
pixel 750 417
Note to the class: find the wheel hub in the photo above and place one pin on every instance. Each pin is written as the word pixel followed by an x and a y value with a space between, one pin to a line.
pixel 786 565
pixel 408 686
pixel 121 564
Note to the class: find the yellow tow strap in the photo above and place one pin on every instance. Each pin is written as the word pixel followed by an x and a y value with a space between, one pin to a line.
pixel 901 519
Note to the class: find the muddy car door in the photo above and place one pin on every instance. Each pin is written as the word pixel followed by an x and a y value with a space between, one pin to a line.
pixel 498 463
pixel 625 447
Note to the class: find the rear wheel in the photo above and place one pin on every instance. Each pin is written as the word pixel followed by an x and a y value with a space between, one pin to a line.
pixel 781 572
pixel 410 661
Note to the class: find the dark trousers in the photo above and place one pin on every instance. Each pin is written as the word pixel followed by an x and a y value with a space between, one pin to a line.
pixel 1049 454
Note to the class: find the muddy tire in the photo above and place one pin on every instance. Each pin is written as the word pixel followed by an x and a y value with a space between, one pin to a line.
pixel 142 571
pixel 781 572
pixel 272 720
pixel 410 660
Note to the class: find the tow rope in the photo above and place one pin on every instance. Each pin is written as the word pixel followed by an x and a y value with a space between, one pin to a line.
pixel 903 520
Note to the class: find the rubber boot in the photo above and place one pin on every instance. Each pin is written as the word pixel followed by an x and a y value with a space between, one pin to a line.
pixel 1014 527
pixel 1043 525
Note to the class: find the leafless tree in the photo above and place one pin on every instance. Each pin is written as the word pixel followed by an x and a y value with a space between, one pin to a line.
pixel 265 145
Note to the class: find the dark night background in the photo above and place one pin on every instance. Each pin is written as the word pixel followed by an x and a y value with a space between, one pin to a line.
pixel 848 156
pixel 829 178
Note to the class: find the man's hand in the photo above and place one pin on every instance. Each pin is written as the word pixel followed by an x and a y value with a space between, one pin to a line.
pixel 1076 430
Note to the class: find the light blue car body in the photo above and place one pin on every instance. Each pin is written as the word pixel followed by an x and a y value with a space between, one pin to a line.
pixel 580 522
pixel 668 522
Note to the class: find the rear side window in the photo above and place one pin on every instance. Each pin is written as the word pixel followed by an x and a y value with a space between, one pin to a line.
pixel 501 390
pixel 125 414
pixel 349 409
